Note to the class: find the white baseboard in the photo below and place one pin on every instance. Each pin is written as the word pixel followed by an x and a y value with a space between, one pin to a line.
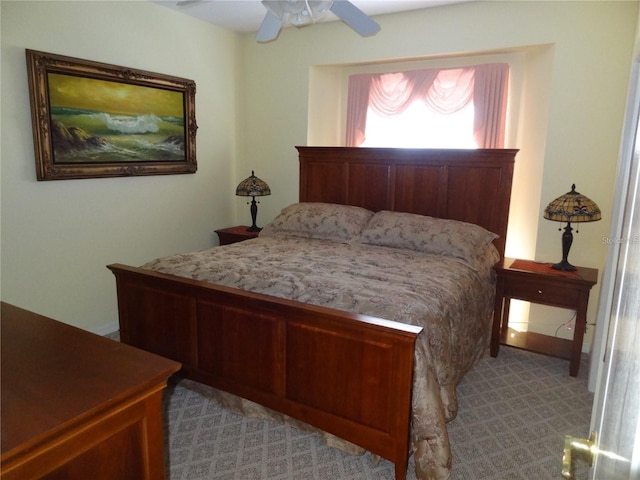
pixel 107 329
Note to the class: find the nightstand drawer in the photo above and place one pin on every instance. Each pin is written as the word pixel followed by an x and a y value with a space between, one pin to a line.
pixel 537 292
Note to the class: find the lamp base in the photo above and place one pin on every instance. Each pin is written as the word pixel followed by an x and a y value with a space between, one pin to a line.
pixel 564 266
pixel 254 214
pixel 567 240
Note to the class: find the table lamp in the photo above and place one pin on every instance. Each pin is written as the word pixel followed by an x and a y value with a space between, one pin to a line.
pixel 570 207
pixel 253 187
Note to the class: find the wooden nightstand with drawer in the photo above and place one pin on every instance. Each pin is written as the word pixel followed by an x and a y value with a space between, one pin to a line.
pixel 235 234
pixel 539 283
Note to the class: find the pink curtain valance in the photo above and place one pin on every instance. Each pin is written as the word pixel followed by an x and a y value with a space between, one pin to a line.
pixel 443 90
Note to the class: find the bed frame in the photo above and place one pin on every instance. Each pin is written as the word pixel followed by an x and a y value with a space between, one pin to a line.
pixel 347 374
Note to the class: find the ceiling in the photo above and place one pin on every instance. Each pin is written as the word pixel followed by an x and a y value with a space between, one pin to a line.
pixel 246 15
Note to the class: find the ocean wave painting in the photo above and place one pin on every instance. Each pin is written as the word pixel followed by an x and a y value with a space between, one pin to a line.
pixel 98 121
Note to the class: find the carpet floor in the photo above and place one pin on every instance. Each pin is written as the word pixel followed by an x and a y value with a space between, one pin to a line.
pixel 514 411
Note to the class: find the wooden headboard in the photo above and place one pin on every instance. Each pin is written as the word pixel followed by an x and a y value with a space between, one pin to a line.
pixel 468 185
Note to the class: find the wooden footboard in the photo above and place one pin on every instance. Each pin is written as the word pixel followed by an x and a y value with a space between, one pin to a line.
pixel 347 374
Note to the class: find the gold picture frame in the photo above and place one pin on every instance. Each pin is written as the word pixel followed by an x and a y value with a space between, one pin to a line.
pixel 94 120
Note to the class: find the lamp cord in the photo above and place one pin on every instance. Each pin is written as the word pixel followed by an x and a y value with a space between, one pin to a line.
pixel 568 324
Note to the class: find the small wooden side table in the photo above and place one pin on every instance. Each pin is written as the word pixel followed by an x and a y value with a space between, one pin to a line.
pixel 235 234
pixel 539 283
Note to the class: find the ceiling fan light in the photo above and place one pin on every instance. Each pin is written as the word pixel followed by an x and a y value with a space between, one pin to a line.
pixel 300 19
pixel 298 12
pixel 294 7
pixel 304 12
pixel 319 7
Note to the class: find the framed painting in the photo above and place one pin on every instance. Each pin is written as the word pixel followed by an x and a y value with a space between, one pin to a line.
pixel 92 119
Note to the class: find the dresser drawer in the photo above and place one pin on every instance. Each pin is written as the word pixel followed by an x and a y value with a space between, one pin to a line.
pixel 548 293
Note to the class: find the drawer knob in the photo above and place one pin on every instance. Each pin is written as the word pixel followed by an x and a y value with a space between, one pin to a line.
pixel 540 292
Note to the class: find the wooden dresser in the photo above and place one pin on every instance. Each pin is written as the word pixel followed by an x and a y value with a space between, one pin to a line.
pixel 75 405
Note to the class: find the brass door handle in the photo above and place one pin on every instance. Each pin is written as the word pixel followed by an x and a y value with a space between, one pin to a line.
pixel 579 447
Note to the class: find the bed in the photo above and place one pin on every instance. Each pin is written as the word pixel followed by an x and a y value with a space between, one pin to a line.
pixel 381 380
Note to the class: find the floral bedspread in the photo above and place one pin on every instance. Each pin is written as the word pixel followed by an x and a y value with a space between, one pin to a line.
pixel 450 299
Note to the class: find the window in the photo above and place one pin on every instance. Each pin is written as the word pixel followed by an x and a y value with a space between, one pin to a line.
pixel 437 108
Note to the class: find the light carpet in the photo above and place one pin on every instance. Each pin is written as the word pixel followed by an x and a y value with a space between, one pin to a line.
pixel 514 411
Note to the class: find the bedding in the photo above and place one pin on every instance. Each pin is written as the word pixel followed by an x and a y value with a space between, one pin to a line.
pixel 410 269
pixel 440 236
pixel 319 220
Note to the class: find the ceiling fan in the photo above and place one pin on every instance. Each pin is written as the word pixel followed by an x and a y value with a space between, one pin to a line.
pixel 188 3
pixel 304 12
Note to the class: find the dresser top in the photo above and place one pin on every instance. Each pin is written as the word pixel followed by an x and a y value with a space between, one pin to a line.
pixel 55 375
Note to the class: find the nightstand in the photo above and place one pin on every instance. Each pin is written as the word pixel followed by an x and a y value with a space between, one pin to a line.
pixel 539 283
pixel 235 234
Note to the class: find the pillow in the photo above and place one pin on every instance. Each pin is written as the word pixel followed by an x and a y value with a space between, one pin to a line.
pixel 427 234
pixel 324 221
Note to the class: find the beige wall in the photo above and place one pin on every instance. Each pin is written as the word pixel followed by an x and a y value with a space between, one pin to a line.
pixel 253 102
pixel 57 236
pixel 576 57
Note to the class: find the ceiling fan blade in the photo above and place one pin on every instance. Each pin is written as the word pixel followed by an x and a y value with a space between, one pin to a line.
pixel 188 3
pixel 269 28
pixel 354 17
